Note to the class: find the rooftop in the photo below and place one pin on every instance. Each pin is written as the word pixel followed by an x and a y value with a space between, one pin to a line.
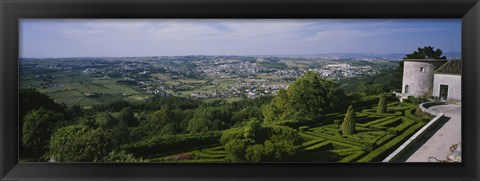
pixel 451 67
pixel 425 60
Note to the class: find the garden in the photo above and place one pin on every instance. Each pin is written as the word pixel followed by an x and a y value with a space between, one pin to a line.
pixel 377 135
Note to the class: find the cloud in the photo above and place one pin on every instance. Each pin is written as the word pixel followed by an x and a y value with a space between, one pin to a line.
pixel 143 37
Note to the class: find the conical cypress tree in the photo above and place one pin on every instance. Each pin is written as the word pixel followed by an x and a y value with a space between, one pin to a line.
pixel 382 104
pixel 348 125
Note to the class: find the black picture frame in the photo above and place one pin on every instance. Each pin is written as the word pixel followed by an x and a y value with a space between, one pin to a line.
pixel 12 10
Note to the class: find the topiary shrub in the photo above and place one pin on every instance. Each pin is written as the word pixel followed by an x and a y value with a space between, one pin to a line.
pixel 382 104
pixel 348 125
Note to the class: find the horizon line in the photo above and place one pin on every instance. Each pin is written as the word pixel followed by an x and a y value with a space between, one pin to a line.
pixel 216 55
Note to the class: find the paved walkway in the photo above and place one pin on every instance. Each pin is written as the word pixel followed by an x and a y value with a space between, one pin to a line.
pixel 437 143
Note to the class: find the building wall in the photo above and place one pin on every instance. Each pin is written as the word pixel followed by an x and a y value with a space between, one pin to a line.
pixel 454 83
pixel 419 83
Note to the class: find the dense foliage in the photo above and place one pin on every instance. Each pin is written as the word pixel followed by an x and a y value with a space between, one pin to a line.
pixel 80 143
pixel 256 142
pixel 426 52
pixel 306 99
pixel 38 126
pixel 168 128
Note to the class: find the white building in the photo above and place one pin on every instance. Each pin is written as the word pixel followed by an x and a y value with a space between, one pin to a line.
pixel 447 81
pixel 429 77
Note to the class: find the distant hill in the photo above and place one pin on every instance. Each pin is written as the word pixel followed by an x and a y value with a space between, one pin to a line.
pixel 327 56
pixel 368 56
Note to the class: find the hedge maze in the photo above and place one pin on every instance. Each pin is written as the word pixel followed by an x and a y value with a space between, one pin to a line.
pixel 377 135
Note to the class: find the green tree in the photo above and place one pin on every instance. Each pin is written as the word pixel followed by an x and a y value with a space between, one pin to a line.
pixel 382 104
pixel 80 143
pixel 277 109
pixel 30 99
pixel 127 116
pixel 348 124
pixel 307 98
pixel 38 126
pixel 426 52
pixel 107 121
pixel 208 118
pixel 73 112
pixel 256 142
pixel 164 121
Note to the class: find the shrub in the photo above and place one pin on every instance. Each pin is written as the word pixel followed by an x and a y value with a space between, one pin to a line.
pixel 382 104
pixel 348 125
pixel 80 143
pixel 256 142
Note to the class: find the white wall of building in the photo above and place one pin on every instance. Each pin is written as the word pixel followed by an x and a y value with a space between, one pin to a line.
pixel 454 83
pixel 418 75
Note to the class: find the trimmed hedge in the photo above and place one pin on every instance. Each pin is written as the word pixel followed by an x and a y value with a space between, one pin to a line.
pixel 204 155
pixel 406 123
pixel 387 122
pixel 339 140
pixel 308 136
pixel 206 160
pixel 384 150
pixel 312 142
pixel 410 114
pixel 352 157
pixel 320 146
pixel 172 143
pixel 384 139
pixel 346 151
pixel 376 121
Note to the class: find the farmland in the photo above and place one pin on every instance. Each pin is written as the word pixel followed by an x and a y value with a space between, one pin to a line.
pixel 94 81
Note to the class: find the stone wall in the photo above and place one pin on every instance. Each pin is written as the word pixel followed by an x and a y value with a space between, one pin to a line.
pixel 424 107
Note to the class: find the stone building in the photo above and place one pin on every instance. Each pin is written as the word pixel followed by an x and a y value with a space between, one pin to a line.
pixel 431 77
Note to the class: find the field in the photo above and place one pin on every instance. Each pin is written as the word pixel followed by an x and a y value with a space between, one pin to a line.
pixel 377 136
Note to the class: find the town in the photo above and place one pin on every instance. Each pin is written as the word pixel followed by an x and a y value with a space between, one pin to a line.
pixel 203 77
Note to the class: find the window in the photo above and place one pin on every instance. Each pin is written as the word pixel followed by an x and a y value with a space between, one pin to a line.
pixel 406 89
pixel 422 69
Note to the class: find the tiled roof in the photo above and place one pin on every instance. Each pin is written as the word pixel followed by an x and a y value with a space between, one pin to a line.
pixel 451 67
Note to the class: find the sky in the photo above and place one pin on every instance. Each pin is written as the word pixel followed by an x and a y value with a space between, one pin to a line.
pixel 56 38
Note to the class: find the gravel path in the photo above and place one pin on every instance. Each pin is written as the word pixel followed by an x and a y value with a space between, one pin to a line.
pixel 437 144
